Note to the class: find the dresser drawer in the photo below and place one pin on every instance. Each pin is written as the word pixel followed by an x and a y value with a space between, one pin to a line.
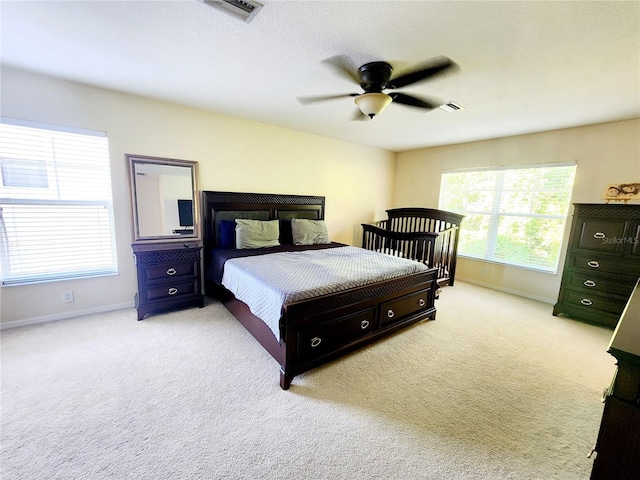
pixel 600 234
pixel 592 301
pixel 319 339
pixel 600 284
pixel 598 263
pixel 168 271
pixel 398 308
pixel 166 291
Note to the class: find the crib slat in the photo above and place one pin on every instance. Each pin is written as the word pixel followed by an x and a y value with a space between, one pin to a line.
pixel 426 235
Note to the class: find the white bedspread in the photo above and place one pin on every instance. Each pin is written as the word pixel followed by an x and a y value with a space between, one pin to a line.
pixel 267 282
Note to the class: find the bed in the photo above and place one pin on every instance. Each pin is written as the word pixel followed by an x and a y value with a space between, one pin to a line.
pixel 426 235
pixel 308 331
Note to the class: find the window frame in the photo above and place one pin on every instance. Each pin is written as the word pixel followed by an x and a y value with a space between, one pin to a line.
pixel 77 258
pixel 495 214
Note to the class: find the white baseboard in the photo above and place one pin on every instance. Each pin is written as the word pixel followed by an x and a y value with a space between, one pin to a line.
pixel 550 301
pixel 63 316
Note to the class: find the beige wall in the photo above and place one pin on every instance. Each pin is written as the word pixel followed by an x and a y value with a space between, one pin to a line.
pixel 238 155
pixel 604 153
pixel 232 155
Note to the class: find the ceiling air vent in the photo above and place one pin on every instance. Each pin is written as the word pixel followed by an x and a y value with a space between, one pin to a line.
pixel 243 9
pixel 451 107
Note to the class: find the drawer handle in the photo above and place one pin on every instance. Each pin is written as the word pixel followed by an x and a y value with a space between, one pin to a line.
pixel 605 394
pixel 173 291
pixel 390 313
pixel 171 271
pixel 593 264
pixel 364 324
pixel 422 302
pixel 599 235
pixel 586 301
pixel 589 283
pixel 315 341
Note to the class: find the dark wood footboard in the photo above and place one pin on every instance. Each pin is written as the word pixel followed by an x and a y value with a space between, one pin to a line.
pixel 320 329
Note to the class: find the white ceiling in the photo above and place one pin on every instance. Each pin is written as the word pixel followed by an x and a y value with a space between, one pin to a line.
pixel 525 66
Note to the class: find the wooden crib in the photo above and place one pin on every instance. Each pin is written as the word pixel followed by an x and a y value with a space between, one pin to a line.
pixel 426 235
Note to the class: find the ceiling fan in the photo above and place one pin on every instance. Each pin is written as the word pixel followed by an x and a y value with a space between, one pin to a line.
pixel 375 77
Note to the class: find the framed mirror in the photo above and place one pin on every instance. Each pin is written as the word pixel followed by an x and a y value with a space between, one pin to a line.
pixel 164 200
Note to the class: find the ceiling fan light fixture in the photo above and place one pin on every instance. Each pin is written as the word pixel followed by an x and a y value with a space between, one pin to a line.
pixel 372 104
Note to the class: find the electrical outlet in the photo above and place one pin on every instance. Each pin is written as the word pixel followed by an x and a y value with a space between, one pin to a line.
pixel 68 296
pixel 483 272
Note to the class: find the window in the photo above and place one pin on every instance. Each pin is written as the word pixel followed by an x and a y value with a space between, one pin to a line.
pixel 512 215
pixel 56 211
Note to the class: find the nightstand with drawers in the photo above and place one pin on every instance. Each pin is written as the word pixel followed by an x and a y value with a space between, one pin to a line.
pixel 168 277
pixel 602 264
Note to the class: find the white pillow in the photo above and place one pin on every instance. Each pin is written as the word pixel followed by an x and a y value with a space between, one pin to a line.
pixel 309 232
pixel 257 233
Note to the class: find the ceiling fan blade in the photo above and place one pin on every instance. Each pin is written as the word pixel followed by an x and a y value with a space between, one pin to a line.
pixel 341 65
pixel 412 101
pixel 322 98
pixel 430 69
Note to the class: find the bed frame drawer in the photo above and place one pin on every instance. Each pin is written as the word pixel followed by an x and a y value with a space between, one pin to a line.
pixel 398 308
pixel 319 339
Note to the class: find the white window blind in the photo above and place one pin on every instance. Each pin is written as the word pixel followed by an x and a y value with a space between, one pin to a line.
pixel 56 209
pixel 514 216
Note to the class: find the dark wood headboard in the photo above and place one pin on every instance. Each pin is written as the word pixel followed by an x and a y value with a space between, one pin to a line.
pixel 217 206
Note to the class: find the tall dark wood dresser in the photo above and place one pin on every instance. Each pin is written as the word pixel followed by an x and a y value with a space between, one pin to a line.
pixel 602 263
pixel 618 443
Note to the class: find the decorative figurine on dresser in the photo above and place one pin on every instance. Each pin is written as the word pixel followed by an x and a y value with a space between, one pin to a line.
pixel 166 237
pixel 602 264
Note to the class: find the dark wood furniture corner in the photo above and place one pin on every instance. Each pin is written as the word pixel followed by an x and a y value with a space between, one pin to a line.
pixel 168 276
pixel 602 263
pixel 618 444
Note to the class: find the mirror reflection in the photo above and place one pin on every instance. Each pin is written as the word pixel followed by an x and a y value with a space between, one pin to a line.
pixel 163 198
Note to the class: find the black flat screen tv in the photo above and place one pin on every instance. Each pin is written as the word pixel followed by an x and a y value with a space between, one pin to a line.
pixel 185 213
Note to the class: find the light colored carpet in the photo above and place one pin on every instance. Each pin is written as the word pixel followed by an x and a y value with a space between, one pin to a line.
pixel 495 388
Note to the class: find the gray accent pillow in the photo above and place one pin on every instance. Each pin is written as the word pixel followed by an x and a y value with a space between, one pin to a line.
pixel 257 233
pixel 309 232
